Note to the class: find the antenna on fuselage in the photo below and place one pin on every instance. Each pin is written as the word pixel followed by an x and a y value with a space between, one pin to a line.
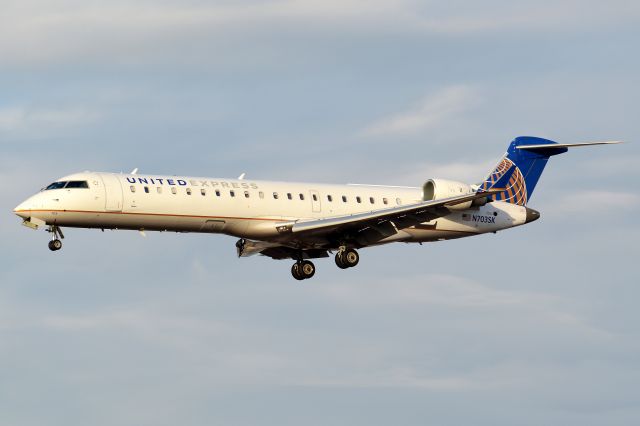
pixel 241 177
pixel 134 171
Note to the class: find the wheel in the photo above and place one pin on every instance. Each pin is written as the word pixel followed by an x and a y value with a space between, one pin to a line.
pixel 296 272
pixel 347 259
pixel 308 269
pixel 340 261
pixel 55 245
pixel 350 257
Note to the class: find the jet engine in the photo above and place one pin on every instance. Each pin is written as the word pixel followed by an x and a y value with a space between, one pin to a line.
pixel 436 189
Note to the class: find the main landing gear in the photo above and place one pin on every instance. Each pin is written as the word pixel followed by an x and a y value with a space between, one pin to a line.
pixel 56 236
pixel 347 258
pixel 303 270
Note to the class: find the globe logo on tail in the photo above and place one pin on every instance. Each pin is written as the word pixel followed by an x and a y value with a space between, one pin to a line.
pixel 507 178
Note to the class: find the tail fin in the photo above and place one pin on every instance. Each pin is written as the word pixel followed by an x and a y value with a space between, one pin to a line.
pixel 519 170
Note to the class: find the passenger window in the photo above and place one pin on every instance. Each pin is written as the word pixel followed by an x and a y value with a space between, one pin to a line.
pixel 203 192
pixel 217 193
pixel 302 197
pixel 289 196
pixel 188 191
pixel 232 193
pixel 358 199
pixel 372 200
pixel 329 198
pixel 132 188
pixel 275 195
pixel 344 198
pixel 159 189
pixel 174 190
pixel 385 201
pixel 261 194
pixel 246 194
pixel 146 189
pixel 315 197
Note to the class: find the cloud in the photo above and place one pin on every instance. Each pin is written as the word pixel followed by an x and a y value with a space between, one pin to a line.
pixel 612 165
pixel 594 201
pixel 39 121
pixel 262 350
pixel 431 112
pixel 134 31
pixel 71 30
pixel 432 289
pixel 461 171
pixel 521 17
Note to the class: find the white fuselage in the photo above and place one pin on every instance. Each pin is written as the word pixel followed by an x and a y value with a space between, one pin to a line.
pixel 242 208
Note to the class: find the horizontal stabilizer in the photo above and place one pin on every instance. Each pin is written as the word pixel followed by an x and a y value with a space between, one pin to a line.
pixel 564 145
pixel 520 169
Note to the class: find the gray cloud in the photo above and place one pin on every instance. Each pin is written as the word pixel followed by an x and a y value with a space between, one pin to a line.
pixel 140 32
pixel 432 112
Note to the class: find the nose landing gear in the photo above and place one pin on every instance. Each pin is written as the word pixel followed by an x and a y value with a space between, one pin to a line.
pixel 56 236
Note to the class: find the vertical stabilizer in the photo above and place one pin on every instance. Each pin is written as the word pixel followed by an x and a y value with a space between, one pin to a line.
pixel 518 172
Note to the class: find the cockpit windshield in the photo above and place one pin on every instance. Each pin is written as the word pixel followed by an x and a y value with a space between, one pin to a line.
pixel 56 185
pixel 68 184
pixel 77 184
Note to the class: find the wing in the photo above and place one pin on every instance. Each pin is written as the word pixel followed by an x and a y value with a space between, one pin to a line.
pixel 370 227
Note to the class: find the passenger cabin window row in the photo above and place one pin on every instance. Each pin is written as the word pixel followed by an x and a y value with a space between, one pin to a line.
pixel 218 193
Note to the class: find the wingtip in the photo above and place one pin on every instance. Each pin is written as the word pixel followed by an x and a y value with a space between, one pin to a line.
pixel 605 142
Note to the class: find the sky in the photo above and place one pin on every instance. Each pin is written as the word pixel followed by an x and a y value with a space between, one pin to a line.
pixel 533 325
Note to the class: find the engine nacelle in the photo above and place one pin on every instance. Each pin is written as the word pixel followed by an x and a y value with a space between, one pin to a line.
pixel 436 189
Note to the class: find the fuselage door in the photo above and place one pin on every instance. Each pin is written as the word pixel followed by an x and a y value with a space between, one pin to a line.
pixel 315 201
pixel 113 192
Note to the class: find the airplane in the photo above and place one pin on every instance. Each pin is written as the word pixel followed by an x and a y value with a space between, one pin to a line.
pixel 298 221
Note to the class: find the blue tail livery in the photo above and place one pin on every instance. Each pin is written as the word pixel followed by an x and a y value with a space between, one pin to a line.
pixel 518 172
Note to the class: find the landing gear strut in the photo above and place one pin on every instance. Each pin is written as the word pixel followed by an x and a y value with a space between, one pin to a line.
pixel 347 258
pixel 303 270
pixel 240 246
pixel 56 236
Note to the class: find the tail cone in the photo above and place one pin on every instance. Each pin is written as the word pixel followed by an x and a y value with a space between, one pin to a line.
pixel 532 215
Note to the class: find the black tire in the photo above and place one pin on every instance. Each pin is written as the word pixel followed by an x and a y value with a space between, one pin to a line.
pixel 307 269
pixel 340 262
pixel 295 271
pixel 350 258
pixel 57 244
pixel 51 247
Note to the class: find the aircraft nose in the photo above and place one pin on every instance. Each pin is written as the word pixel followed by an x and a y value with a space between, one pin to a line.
pixel 532 215
pixel 23 209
